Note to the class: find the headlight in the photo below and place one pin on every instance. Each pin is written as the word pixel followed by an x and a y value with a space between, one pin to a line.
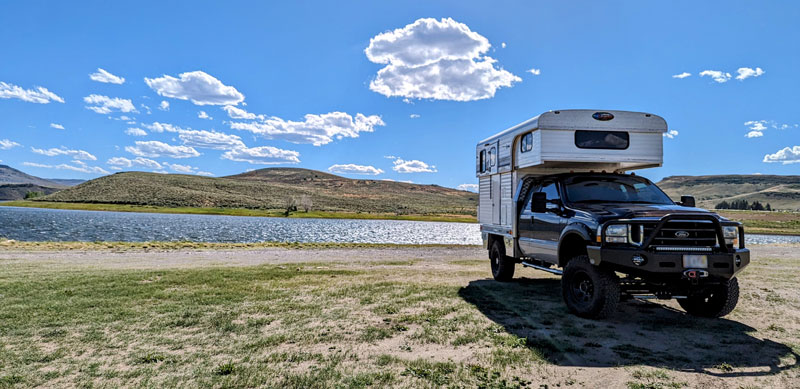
pixel 617 233
pixel 731 235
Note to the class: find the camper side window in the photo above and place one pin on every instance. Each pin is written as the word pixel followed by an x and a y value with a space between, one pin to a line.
pixel 483 161
pixel 610 140
pixel 492 155
pixel 527 143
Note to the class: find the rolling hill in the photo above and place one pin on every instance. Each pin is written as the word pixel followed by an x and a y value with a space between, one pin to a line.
pixel 781 192
pixel 14 184
pixel 270 189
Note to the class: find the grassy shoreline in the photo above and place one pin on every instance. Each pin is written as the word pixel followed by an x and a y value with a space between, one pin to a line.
pixel 237 212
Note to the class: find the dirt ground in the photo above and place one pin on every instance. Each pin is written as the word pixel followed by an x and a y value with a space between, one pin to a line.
pixel 532 341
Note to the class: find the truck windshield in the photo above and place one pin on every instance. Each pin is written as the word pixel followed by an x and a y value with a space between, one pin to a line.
pixel 616 189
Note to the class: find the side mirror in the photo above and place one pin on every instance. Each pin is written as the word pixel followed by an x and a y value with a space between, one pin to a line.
pixel 687 201
pixel 539 202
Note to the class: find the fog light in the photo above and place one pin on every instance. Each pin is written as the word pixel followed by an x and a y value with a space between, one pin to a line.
pixel 638 260
pixel 738 261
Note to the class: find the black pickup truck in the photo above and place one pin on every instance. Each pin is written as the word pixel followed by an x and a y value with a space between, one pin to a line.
pixel 618 236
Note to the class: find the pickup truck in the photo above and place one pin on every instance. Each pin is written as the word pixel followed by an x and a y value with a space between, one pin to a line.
pixel 618 236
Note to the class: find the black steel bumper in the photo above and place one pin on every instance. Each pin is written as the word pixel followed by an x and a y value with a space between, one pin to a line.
pixel 726 264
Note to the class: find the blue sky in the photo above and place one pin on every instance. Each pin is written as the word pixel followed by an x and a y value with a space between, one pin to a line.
pixel 344 86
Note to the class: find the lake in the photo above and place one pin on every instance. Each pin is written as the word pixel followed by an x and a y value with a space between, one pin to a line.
pixel 35 224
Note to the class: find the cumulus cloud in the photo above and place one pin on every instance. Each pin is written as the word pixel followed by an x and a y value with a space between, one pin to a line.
pixel 786 156
pixel 198 87
pixel 135 131
pixel 104 104
pixel 162 127
pixel 103 76
pixel 745 73
pixel 754 134
pixel 670 134
pixel 757 127
pixel 238 113
pixel 716 75
pixel 204 115
pixel 56 126
pixel 121 162
pixel 503 45
pixel 77 154
pixel 210 140
pixel 414 116
pixel 164 106
pixel 436 59
pixel 355 169
pixel 155 149
pixel 264 155
pixel 6 144
pixel 315 129
pixel 178 168
pixel 468 187
pixel 412 166
pixel 682 75
pixel 38 94
pixel 78 166
pixel 535 71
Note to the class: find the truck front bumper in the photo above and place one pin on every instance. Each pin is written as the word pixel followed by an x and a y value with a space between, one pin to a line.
pixel 724 265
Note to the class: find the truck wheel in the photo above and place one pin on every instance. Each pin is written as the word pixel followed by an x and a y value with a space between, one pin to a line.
pixel 588 290
pixel 719 302
pixel 502 266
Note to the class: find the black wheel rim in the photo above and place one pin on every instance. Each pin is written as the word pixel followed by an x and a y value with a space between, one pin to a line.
pixel 581 288
pixel 495 259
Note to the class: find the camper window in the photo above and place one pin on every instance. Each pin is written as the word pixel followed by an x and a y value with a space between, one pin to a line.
pixel 612 140
pixel 483 161
pixel 527 142
pixel 492 155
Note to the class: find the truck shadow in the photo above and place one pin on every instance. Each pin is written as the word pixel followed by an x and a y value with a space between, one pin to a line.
pixel 641 333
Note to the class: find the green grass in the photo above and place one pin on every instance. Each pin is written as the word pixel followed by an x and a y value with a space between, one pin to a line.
pixel 236 211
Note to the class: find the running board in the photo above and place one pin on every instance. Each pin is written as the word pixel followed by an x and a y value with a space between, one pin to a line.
pixel 547 269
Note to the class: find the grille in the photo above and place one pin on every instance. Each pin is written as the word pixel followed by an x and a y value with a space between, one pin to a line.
pixel 684 233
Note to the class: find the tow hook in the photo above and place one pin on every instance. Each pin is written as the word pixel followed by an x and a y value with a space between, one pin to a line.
pixel 694 274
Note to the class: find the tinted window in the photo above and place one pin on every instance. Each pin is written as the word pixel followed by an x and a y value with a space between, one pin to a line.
pixel 614 140
pixel 492 156
pixel 614 189
pixel 482 162
pixel 551 191
pixel 527 143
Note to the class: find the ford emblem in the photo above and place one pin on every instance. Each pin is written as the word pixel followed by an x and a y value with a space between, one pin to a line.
pixel 602 116
pixel 681 234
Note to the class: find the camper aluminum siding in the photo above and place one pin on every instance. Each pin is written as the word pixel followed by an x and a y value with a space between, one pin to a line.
pixel 500 161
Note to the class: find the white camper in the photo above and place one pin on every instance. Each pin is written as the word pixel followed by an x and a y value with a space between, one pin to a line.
pixel 576 140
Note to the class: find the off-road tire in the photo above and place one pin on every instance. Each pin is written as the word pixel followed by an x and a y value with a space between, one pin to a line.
pixel 719 302
pixel 502 266
pixel 589 291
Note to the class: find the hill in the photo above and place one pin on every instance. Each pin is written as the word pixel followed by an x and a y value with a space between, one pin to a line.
pixel 9 175
pixel 270 189
pixel 18 191
pixel 781 192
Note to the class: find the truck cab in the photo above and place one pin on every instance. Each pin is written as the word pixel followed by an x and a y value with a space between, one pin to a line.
pixel 610 235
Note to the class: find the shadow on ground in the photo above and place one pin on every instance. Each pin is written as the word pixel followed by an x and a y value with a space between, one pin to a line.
pixel 641 333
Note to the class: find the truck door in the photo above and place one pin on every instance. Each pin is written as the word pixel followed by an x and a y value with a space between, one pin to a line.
pixel 546 227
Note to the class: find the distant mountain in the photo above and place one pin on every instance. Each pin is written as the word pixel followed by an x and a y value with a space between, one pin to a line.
pixel 271 189
pixel 9 175
pixel 18 191
pixel 66 181
pixel 781 192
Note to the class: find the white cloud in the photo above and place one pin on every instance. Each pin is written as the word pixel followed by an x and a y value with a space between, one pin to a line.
pixel 264 155
pixel 77 154
pixel 503 45
pixel 39 95
pixel 534 71
pixel 164 106
pixel 756 125
pixel 155 149
pixel 716 75
pixel 134 131
pixel 6 144
pixel 745 73
pixel 199 87
pixel 682 75
pixel 436 59
pixel 104 104
pixel 121 162
pixel 186 169
pixel 414 116
pixel 56 126
pixel 238 113
pixel 671 134
pixel 207 174
pixel 355 169
pixel 103 76
pixel 412 166
pixel 162 127
pixel 204 115
pixel 78 166
pixel 754 134
pixel 785 156
pixel 210 140
pixel 468 187
pixel 315 129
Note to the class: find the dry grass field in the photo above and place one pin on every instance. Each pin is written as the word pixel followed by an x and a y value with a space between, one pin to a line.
pixel 153 315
